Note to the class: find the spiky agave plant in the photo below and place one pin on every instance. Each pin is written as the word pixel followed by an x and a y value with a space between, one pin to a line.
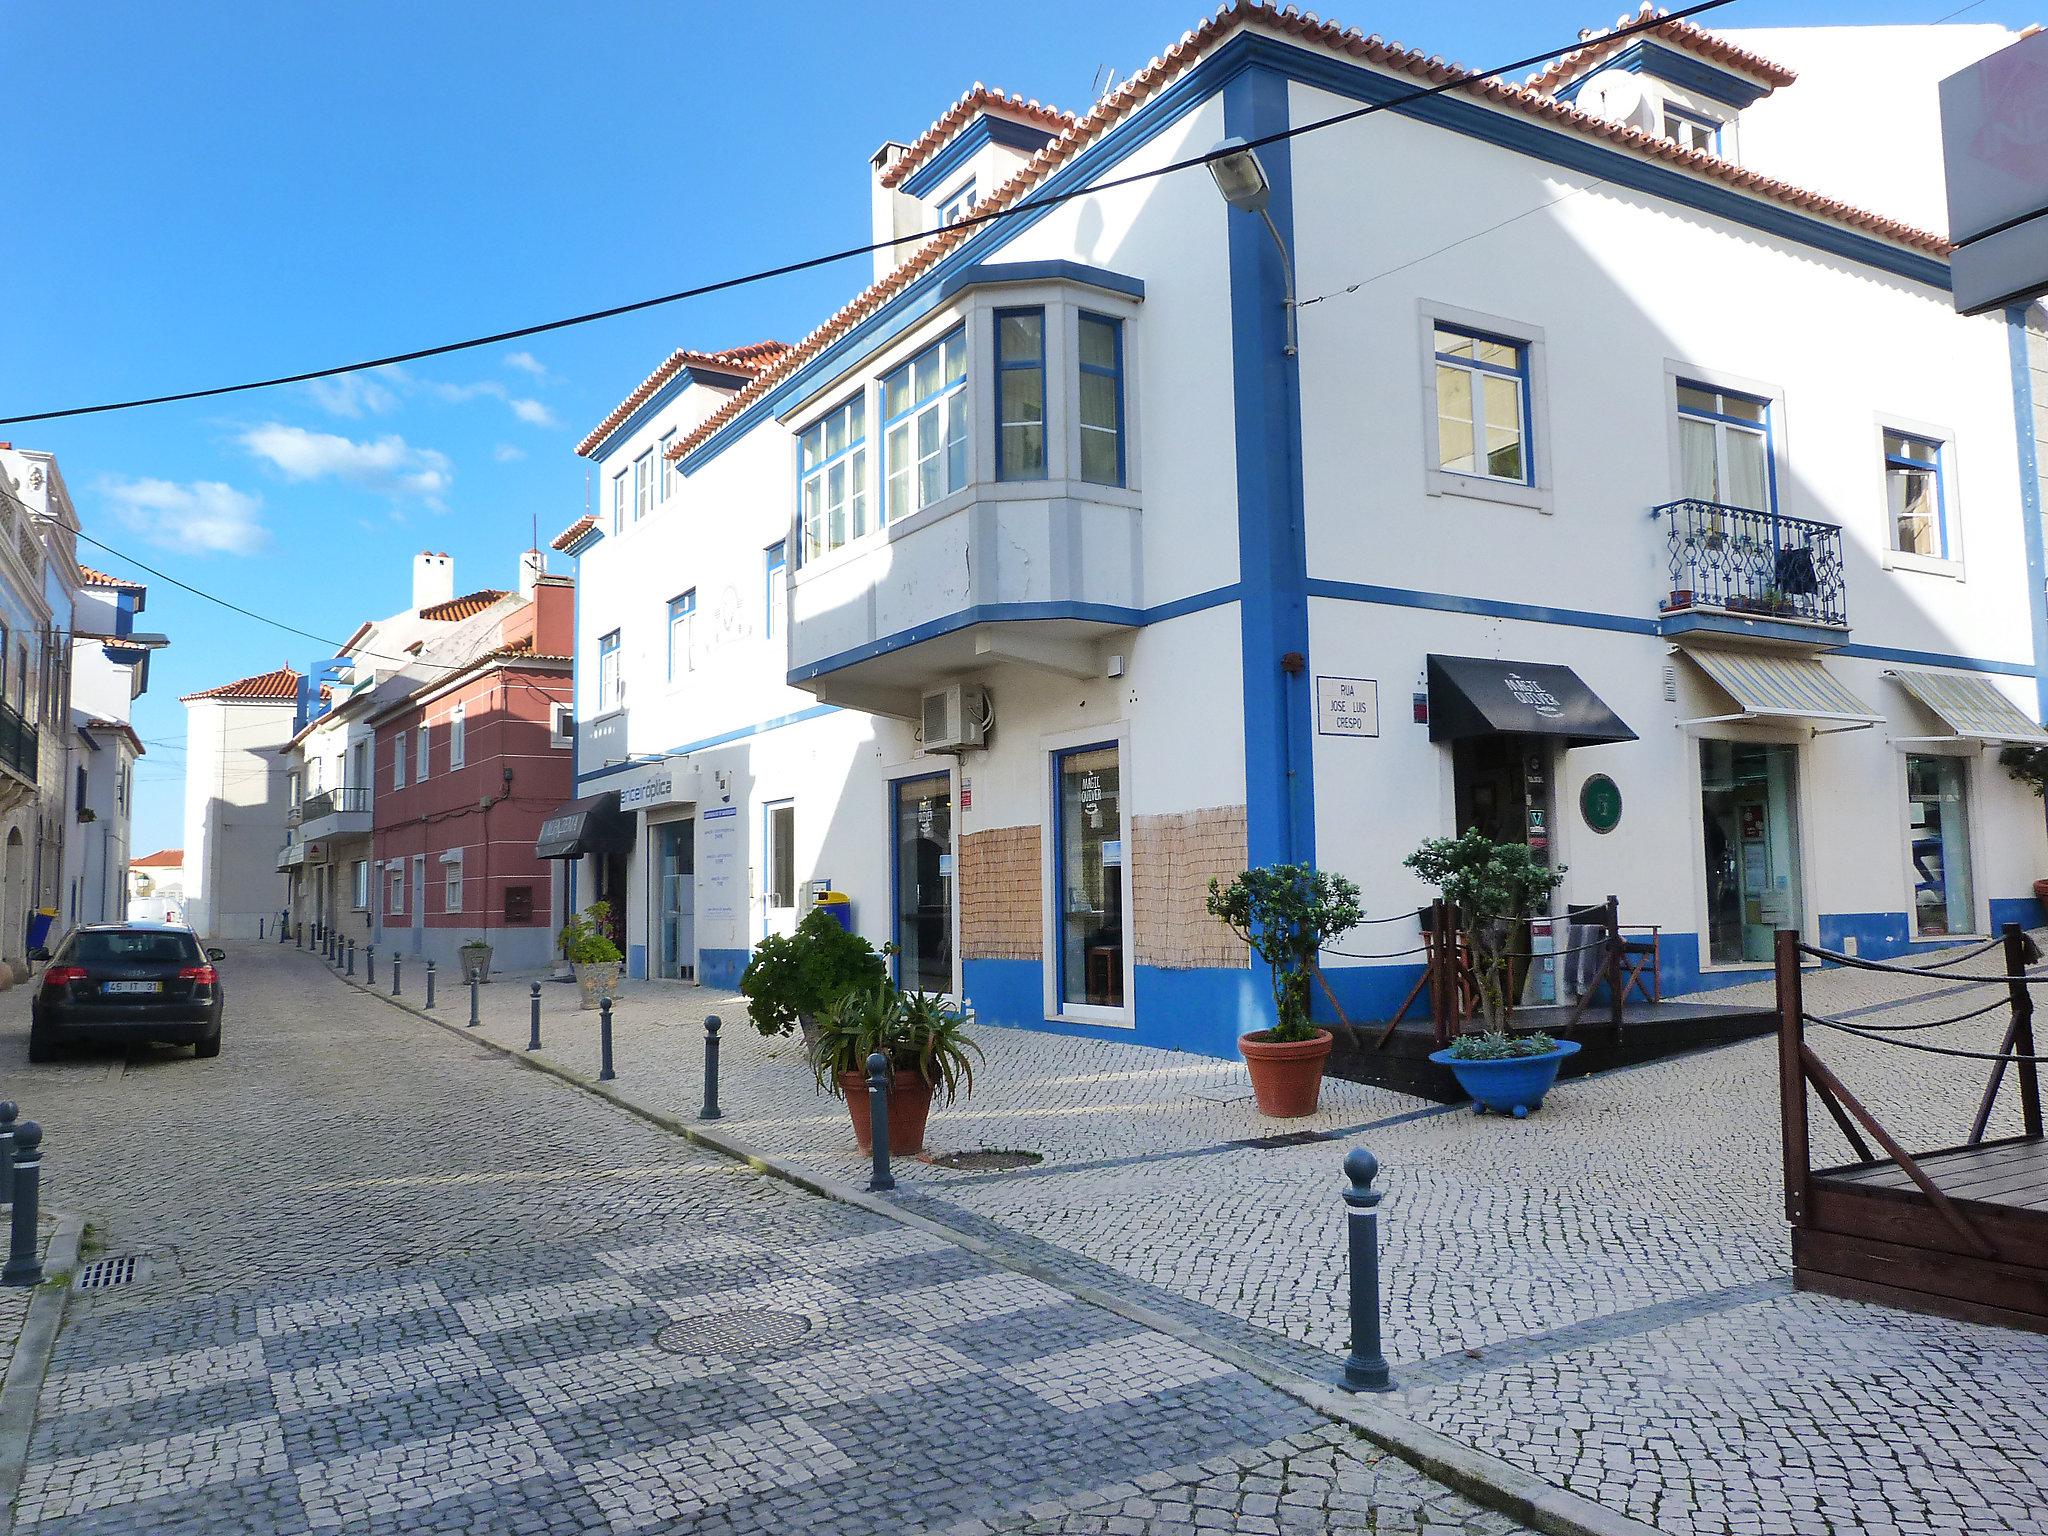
pixel 918 1032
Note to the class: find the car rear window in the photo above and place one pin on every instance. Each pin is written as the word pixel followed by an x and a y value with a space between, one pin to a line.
pixel 118 948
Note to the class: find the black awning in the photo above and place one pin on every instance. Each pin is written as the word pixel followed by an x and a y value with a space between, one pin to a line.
pixel 594 824
pixel 1469 696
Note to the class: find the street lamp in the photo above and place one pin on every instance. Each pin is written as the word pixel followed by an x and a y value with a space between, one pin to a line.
pixel 1242 180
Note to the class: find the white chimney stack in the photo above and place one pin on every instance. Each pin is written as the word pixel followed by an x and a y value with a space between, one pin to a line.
pixel 895 213
pixel 433 578
pixel 533 564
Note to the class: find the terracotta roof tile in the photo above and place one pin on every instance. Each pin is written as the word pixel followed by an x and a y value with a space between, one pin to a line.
pixel 163 858
pixel 1177 61
pixel 282 685
pixel 1680 34
pixel 467 606
pixel 95 578
pixel 574 531
pixel 743 361
pixel 981 98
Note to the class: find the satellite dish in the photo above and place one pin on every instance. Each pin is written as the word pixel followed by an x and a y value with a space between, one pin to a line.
pixel 1616 96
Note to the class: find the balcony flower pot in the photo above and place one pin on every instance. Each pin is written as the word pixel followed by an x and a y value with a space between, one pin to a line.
pixel 910 1105
pixel 476 960
pixel 1681 597
pixel 1287 1075
pixel 1507 1085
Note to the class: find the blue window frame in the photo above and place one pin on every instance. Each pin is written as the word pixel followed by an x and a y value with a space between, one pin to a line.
pixel 957 204
pixel 774 561
pixel 1102 399
pixel 682 626
pixel 1724 448
pixel 924 427
pixel 610 686
pixel 1483 420
pixel 1088 878
pixel 1020 394
pixel 1915 495
pixel 1691 130
pixel 832 466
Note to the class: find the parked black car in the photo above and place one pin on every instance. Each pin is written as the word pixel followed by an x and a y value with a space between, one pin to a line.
pixel 126 982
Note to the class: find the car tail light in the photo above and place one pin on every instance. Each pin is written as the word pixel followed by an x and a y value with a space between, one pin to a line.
pixel 201 975
pixel 62 975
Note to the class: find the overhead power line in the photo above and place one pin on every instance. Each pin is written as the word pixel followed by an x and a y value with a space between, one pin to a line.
pixel 1028 205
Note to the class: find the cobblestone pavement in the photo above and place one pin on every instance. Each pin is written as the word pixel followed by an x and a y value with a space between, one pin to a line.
pixel 397 1283
pixel 1600 1294
pixel 14 1299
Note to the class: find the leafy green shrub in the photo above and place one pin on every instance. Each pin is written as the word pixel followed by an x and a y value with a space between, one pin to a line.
pixel 918 1031
pixel 583 938
pixel 1286 913
pixel 1493 886
pixel 798 975
pixel 1499 1045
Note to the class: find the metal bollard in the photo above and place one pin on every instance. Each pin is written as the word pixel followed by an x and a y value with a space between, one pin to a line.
pixel 284 922
pixel 711 1111
pixel 1365 1369
pixel 259 928
pixel 298 935
pixel 369 965
pixel 396 974
pixel 879 1079
pixel 533 1037
pixel 430 983
pixel 351 957
pixel 475 978
pixel 23 1267
pixel 604 1040
pixel 8 1113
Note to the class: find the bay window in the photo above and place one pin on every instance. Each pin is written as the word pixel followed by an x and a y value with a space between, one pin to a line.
pixel 1102 400
pixel 924 427
pixel 1020 394
pixel 833 463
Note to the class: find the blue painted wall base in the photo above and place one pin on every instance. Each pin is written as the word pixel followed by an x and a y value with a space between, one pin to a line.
pixel 1203 1011
pixel 721 968
pixel 636 962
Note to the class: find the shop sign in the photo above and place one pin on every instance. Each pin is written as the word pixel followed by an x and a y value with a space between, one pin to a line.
pixel 1347 706
pixel 654 789
pixel 1600 803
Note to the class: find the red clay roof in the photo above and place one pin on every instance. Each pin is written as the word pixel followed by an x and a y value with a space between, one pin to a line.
pixel 163 858
pixel 1183 56
pixel 574 531
pixel 95 578
pixel 744 361
pixel 467 606
pixel 283 684
pixel 1680 34
pixel 981 98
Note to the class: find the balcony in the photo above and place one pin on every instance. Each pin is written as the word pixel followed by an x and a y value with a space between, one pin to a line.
pixel 18 745
pixel 335 813
pixel 1755 575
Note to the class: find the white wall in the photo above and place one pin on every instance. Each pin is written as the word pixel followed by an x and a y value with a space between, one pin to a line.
pixel 234 813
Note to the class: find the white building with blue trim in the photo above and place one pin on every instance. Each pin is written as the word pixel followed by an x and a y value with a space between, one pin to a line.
pixel 1597 490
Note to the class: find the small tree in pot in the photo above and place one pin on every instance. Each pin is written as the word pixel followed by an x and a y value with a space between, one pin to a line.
pixel 792 978
pixel 1492 886
pixel 591 954
pixel 923 1036
pixel 1285 913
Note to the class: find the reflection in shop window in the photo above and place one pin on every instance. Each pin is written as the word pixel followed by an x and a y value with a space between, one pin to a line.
pixel 1750 810
pixel 924 884
pixel 1090 879
pixel 1938 842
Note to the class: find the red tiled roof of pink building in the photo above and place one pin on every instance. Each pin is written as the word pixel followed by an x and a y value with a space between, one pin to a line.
pixel 979 99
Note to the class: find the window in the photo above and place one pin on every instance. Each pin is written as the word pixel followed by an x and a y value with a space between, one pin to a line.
pixel 643 485
pixel 1938 844
pixel 924 427
pixel 1102 400
pixel 609 685
pixel 420 751
pixel 359 885
pixel 1482 405
pixel 923 813
pixel 398 761
pixel 775 561
pixel 1724 447
pixel 1088 877
pixel 668 468
pixel 359 765
pixel 778 859
pixel 458 734
pixel 291 789
pixel 957 204
pixel 682 634
pixel 1020 394
pixel 833 463
pixel 1914 496
pixel 619 502
pixel 561 725
pixel 451 881
pixel 1691 131
pixel 80 775
pixel 1749 807
pixel 395 902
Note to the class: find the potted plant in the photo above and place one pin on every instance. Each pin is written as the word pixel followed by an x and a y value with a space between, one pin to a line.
pixel 794 977
pixel 1508 1074
pixel 591 954
pixel 1492 887
pixel 476 959
pixel 1285 913
pixel 923 1036
pixel 1681 597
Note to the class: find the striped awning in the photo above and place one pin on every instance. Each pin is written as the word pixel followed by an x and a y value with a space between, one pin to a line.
pixel 1768 686
pixel 1972 707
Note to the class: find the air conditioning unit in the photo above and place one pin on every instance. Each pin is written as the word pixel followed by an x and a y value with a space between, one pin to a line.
pixel 955 717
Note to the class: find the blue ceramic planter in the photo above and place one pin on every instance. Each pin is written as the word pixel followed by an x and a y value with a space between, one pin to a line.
pixel 1512 1085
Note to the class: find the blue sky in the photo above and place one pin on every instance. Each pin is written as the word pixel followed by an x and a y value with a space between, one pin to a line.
pixel 203 193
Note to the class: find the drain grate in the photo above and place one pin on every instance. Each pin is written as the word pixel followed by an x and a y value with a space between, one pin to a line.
pixel 105 1274
pixel 988 1160
pixel 733 1333
pixel 1285 1139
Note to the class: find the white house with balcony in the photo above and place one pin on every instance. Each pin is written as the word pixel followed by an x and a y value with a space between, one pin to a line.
pixel 1509 458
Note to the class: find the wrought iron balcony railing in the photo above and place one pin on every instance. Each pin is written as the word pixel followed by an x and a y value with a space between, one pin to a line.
pixel 329 801
pixel 17 743
pixel 1759 564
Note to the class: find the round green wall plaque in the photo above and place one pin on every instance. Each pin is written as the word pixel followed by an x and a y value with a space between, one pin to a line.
pixel 1600 803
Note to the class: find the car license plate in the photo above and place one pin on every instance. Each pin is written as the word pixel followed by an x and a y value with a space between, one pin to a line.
pixel 134 986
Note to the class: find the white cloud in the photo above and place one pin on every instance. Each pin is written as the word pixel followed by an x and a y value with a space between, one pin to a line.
pixel 354 394
pixel 206 514
pixel 505 453
pixel 526 362
pixel 532 412
pixel 388 464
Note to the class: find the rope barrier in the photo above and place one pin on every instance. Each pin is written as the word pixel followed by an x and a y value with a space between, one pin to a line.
pixel 1932 1050
pixel 1855 962
pixel 1897 1029
pixel 1397 917
pixel 1392 954
pixel 1968 954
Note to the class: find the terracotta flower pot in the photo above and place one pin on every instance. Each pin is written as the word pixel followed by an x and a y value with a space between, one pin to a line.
pixel 2041 895
pixel 595 981
pixel 910 1102
pixel 1287 1075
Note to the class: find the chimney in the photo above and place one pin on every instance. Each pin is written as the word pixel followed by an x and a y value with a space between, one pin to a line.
pixel 533 564
pixel 895 214
pixel 554 616
pixel 433 579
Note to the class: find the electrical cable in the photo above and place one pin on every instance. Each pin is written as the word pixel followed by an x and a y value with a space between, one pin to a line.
pixel 1033 204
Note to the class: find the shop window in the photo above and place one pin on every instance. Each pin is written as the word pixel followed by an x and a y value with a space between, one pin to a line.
pixel 924 883
pixel 1938 844
pixel 1088 854
pixel 1749 803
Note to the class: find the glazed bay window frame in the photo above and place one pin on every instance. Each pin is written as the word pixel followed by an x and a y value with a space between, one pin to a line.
pixel 830 462
pixel 1111 375
pixel 1891 431
pixel 1535 489
pixel 917 474
pixel 1020 371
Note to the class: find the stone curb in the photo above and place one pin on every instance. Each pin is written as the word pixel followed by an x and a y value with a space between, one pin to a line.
pixel 1485 1479
pixel 32 1359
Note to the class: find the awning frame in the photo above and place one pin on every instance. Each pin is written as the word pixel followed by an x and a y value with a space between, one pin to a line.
pixel 2037 736
pixel 1787 719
